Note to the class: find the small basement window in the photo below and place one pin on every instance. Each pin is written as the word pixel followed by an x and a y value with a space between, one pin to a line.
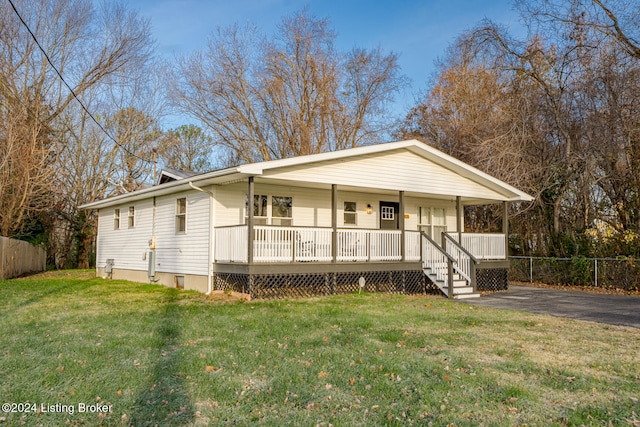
pixel 116 219
pixel 181 215
pixel 179 282
pixel 132 216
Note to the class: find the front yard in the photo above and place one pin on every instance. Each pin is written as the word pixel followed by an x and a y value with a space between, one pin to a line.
pixel 84 351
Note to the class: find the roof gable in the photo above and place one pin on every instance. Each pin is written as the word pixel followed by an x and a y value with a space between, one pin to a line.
pixel 397 170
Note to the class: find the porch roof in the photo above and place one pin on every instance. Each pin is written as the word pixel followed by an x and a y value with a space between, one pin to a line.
pixel 410 166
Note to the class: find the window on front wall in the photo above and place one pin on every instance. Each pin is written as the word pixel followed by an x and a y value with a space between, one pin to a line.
pixel 260 213
pixel 260 209
pixel 181 215
pixel 274 210
pixel 350 213
pixel 281 210
pixel 433 221
pixel 132 216
pixel 116 219
pixel 387 213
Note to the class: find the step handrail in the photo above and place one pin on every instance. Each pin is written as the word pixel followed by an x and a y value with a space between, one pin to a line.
pixel 465 256
pixel 450 261
pixel 438 247
pixel 462 248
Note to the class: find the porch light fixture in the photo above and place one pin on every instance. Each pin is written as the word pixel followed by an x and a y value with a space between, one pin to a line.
pixel 369 209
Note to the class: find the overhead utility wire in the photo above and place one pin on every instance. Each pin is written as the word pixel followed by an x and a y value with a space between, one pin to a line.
pixel 69 87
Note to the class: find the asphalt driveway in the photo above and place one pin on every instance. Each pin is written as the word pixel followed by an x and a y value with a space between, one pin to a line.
pixel 612 309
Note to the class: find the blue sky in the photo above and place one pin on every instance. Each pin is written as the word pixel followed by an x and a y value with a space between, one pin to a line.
pixel 419 31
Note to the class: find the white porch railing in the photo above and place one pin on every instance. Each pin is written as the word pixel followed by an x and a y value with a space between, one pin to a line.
pixel 231 244
pixel 484 245
pixel 288 244
pixel 368 245
pixel 412 245
pixel 310 244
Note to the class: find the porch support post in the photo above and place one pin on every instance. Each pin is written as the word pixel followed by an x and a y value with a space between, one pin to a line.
pixel 401 224
pixel 250 220
pixel 334 222
pixel 505 228
pixel 459 218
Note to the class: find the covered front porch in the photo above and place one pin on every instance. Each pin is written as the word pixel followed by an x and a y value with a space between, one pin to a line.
pixel 445 255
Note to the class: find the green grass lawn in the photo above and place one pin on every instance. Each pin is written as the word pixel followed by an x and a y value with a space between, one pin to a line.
pixel 157 356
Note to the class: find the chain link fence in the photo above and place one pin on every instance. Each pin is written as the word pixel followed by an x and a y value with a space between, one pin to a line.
pixel 621 273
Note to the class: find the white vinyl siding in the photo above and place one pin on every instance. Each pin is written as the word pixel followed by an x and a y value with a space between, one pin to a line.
pixel 312 207
pixel 175 253
pixel 403 170
pixel 126 246
pixel 184 253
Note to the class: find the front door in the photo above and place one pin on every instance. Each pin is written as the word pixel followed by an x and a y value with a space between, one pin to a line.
pixel 389 212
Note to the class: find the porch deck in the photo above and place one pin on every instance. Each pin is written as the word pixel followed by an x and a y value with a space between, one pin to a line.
pixel 305 261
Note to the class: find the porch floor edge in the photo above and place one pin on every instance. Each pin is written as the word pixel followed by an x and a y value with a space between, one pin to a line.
pixel 316 267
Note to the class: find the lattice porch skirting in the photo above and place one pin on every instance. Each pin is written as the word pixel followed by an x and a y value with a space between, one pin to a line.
pixel 492 279
pixel 295 285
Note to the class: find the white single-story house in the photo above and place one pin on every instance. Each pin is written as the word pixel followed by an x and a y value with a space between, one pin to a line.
pixel 384 217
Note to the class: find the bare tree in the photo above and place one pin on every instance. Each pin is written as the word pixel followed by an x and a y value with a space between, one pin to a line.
pixel 293 94
pixel 555 114
pixel 89 47
pixel 616 20
pixel 24 163
pixel 187 148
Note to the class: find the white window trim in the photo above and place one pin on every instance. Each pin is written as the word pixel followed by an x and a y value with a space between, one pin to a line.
pixel 354 213
pixel 430 224
pixel 116 219
pixel 181 214
pixel 385 211
pixel 270 210
pixel 268 220
pixel 131 219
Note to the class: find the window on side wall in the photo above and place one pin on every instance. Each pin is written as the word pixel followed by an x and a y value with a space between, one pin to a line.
pixel 350 213
pixel 132 216
pixel 181 215
pixel 281 210
pixel 116 219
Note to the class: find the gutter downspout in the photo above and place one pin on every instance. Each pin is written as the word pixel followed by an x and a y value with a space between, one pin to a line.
pixel 211 221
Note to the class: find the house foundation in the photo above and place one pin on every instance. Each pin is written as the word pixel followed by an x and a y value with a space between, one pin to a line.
pixel 171 280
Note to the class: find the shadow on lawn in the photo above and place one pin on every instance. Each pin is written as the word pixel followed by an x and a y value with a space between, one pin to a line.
pixel 50 290
pixel 164 400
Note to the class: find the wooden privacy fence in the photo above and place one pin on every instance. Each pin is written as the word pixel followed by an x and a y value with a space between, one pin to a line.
pixel 18 257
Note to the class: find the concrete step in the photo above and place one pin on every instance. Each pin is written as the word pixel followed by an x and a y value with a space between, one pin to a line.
pixel 467 296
